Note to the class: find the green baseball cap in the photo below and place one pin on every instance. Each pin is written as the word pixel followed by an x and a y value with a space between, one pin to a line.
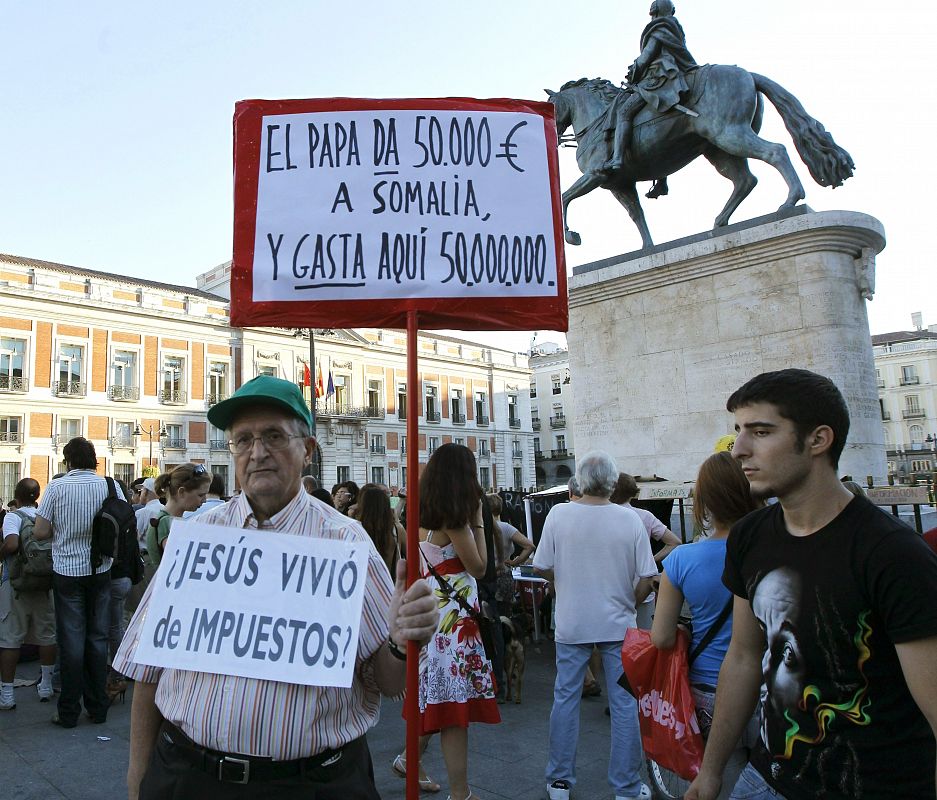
pixel 262 390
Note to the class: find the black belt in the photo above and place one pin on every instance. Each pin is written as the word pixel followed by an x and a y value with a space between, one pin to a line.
pixel 236 768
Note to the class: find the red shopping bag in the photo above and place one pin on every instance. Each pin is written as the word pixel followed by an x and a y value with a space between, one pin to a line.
pixel 659 681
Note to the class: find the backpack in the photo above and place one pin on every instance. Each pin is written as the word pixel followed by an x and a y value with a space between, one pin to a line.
pixel 113 526
pixel 31 565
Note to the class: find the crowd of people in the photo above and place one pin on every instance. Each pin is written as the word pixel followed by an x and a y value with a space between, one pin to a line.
pixel 813 607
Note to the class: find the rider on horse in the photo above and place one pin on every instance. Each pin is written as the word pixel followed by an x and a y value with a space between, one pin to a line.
pixel 656 78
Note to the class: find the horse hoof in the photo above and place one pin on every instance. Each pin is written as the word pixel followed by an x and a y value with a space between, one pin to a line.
pixel 573 238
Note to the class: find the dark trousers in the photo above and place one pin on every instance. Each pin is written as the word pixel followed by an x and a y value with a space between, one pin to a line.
pixel 82 620
pixel 171 776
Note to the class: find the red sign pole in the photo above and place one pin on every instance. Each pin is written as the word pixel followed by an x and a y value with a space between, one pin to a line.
pixel 413 553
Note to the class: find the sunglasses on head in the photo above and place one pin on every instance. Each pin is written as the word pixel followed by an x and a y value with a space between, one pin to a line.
pixel 200 470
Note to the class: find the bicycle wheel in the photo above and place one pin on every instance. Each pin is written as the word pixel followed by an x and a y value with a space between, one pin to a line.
pixel 665 785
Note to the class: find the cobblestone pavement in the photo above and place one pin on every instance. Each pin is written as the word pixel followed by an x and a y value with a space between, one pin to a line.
pixel 39 761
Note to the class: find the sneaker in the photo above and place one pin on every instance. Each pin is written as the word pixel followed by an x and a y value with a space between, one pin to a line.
pixel 45 692
pixel 559 790
pixel 644 794
pixel 7 703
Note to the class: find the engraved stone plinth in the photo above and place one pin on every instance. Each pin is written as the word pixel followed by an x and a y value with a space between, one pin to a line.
pixel 658 340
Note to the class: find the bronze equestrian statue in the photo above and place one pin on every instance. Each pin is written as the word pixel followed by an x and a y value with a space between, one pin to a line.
pixel 674 110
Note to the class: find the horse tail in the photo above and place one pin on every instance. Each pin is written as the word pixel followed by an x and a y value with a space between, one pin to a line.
pixel 829 164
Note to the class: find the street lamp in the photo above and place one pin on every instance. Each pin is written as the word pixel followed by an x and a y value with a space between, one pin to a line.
pixel 138 431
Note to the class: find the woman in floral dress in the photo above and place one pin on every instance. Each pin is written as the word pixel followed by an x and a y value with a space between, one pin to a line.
pixel 456 684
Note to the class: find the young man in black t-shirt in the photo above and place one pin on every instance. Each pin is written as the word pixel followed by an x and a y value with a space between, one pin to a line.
pixel 835 615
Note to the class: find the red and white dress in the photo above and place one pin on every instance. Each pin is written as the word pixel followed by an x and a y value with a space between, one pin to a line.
pixel 456 682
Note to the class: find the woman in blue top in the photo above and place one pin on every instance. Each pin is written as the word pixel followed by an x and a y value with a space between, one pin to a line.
pixel 721 497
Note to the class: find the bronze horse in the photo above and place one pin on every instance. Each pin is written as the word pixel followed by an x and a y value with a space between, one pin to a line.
pixel 728 103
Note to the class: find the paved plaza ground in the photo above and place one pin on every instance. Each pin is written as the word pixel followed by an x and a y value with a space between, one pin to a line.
pixel 39 761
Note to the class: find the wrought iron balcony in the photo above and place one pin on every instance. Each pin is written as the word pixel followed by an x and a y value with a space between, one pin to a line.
pixel 375 412
pixel 517 453
pixel 216 397
pixel 538 453
pixel 560 453
pixel 68 389
pixel 13 383
pixel 121 442
pixel 378 449
pixel 559 421
pixel 912 380
pixel 342 410
pixel 173 397
pixel 123 392
pixel 10 437
pixel 458 419
pixel 174 444
pixel 218 444
pixel 484 454
pixel 482 419
pixel 535 423
pixel 514 422
pixel 913 413
pixel 433 416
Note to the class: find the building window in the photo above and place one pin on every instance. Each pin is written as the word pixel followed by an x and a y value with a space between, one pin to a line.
pixel 433 444
pixel 123 435
pixel 124 368
pixel 518 478
pixel 375 407
pixel 879 379
pixel 481 408
pixel 484 477
pixel 11 432
pixel 514 419
pixel 483 448
pixel 9 477
pixel 533 390
pixel 174 438
pixel 403 444
pixel 12 358
pixel 70 370
pixel 221 470
pixel 459 440
pixel 557 388
pixel 516 451
pixel 173 380
pixel 909 376
pixel 920 466
pixel 342 474
pixel 401 401
pixel 917 434
pixel 68 430
pixel 458 409
pixel 377 474
pixel 403 477
pixel 377 443
pixel 125 473
pixel 267 369
pixel 432 404
pixel 561 445
pixel 537 451
pixel 342 385
pixel 217 382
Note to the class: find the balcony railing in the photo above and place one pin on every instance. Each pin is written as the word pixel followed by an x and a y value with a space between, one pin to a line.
pixel 538 454
pixel 561 453
pixel 458 419
pixel 13 383
pixel 123 392
pixel 881 383
pixel 9 437
pixel 535 423
pixel 218 444
pixel 517 454
pixel 174 444
pixel 886 415
pixel 910 380
pixel 68 389
pixel 484 454
pixel 172 397
pixel 433 416
pixel 375 412
pixel 558 421
pixel 121 442
pixel 481 419
pixel 216 397
pixel 913 413
pixel 378 449
pixel 349 412
pixel 514 422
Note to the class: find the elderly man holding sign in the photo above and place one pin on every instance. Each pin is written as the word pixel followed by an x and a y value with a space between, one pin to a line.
pixel 238 648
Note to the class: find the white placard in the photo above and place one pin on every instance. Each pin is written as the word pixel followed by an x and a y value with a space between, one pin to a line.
pixel 256 604
pixel 665 491
pixel 377 205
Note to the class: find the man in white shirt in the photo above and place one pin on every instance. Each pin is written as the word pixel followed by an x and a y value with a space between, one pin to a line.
pixel 151 508
pixel 599 559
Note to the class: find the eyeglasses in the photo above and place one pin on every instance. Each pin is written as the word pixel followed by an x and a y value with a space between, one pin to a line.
pixel 272 441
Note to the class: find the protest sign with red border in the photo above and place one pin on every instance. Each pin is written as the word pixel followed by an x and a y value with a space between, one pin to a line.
pixel 354 212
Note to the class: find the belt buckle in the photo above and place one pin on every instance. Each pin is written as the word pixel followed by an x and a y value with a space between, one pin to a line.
pixel 243 762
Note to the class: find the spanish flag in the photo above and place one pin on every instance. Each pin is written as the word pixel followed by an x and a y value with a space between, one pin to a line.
pixel 320 389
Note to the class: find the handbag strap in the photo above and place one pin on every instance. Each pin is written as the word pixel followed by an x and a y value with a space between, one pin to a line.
pixel 717 626
pixel 447 588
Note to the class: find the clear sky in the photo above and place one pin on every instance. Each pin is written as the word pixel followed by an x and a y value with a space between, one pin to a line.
pixel 116 131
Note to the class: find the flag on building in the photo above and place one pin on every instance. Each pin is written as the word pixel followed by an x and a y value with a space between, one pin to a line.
pixel 307 376
pixel 331 388
pixel 320 389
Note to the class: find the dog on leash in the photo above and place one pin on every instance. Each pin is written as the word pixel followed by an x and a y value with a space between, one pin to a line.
pixel 516 631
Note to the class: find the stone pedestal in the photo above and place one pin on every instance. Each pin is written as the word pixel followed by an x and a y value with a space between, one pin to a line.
pixel 659 339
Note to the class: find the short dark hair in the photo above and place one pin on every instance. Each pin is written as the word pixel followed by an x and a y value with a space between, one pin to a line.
pixel 26 492
pixel 79 454
pixel 803 397
pixel 626 489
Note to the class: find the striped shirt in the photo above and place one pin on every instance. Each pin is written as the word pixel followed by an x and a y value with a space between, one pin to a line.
pixel 256 717
pixel 69 505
